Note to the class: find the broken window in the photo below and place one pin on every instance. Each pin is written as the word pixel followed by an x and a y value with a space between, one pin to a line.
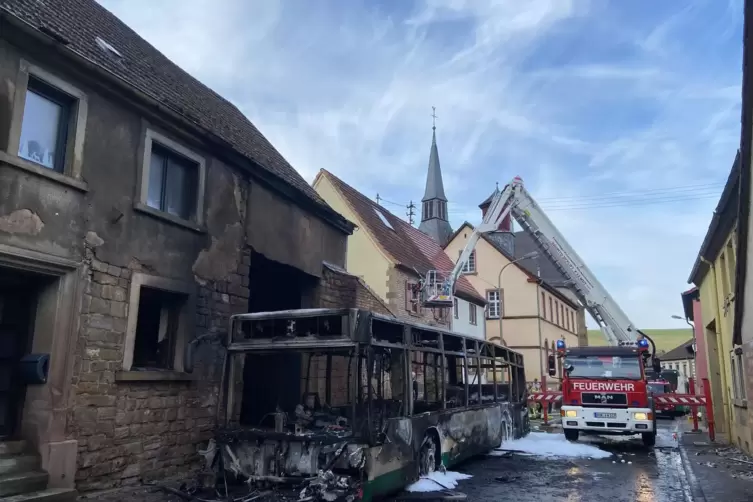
pixel 156 328
pixel 45 126
pixel 172 182
pixel 412 297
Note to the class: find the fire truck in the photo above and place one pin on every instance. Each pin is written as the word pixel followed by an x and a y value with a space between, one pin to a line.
pixel 605 391
pixel 604 388
pixel 660 387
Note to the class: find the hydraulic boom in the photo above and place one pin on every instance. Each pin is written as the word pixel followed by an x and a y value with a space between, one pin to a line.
pixel 514 199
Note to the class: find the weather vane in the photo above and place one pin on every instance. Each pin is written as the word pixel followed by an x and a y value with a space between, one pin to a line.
pixel 433 117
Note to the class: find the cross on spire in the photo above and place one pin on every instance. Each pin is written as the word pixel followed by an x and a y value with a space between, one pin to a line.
pixel 434 118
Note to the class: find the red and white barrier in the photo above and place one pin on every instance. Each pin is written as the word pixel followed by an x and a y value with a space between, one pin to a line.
pixel 681 399
pixel 545 397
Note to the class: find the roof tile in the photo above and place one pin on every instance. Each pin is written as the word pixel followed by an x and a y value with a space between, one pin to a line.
pixel 143 67
pixel 407 245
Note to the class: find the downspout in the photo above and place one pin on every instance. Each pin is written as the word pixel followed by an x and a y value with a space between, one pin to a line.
pixel 720 347
pixel 538 320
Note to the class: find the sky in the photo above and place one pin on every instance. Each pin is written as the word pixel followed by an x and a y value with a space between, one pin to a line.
pixel 622 118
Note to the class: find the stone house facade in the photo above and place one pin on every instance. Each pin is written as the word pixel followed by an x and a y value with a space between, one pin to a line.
pixel 391 256
pixel 138 211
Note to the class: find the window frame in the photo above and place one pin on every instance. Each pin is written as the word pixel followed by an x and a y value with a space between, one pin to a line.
pixel 472 314
pixel 737 366
pixel 455 308
pixel 409 305
pixel 467 266
pixel 150 137
pixel 186 326
pixel 490 303
pixel 72 155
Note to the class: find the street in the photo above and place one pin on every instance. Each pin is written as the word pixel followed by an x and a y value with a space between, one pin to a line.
pixel 685 469
pixel 671 472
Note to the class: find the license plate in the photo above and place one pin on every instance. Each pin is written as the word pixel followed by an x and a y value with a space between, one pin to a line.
pixel 605 415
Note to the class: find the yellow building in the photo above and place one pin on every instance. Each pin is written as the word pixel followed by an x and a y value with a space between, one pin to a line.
pixel 742 336
pixel 532 312
pixel 714 272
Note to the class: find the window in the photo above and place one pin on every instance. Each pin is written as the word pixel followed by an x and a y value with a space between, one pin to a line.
pixel 46 120
pixel 572 321
pixel 411 297
pixel 493 304
pixel 557 312
pixel 723 273
pixel 469 267
pixel 739 391
pixel 472 314
pixel 47 125
pixel 543 305
pixel 160 321
pixel 172 180
pixel 156 329
pixel 455 308
pixel 428 212
pixel 731 263
pixel 172 183
pixel 567 320
pixel 551 310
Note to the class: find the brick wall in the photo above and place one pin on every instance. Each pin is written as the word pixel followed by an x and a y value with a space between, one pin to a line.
pixel 396 300
pixel 339 289
pixel 130 430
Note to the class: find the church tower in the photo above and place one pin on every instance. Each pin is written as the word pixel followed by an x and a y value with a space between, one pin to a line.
pixel 434 220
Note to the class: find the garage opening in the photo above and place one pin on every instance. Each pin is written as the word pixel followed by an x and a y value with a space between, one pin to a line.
pixel 273 286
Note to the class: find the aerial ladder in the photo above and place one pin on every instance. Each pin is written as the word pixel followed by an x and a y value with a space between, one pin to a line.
pixel 438 287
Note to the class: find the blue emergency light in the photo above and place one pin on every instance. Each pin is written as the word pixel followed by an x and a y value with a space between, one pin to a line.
pixel 560 344
pixel 643 344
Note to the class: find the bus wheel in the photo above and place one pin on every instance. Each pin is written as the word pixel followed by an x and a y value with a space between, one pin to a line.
pixel 428 456
pixel 571 434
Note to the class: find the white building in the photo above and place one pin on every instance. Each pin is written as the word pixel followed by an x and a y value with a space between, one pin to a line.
pixel 681 359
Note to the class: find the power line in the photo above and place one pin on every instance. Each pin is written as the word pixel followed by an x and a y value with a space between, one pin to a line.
pixel 697 189
pixel 620 203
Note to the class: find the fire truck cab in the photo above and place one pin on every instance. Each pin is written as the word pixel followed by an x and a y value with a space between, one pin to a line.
pixel 605 392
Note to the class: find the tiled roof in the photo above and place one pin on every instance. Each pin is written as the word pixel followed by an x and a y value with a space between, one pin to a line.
pixel 408 246
pixel 679 353
pixel 524 244
pixel 80 22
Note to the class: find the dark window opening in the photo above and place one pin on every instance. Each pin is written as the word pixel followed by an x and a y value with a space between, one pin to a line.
pixel 46 124
pixel 157 328
pixel 173 183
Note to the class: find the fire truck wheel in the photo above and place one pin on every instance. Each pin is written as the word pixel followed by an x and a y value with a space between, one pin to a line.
pixel 571 434
pixel 649 438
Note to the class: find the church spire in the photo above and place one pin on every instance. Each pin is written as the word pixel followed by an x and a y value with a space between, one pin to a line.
pixel 434 202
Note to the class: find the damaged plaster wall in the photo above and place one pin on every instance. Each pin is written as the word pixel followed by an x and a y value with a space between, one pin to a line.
pixel 149 427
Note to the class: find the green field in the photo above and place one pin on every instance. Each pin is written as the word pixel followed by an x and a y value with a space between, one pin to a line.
pixel 665 339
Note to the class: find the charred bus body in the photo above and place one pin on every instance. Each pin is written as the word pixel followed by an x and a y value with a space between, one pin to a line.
pixel 346 401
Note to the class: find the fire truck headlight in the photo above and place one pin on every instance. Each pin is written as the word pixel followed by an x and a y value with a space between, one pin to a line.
pixel 641 416
pixel 571 413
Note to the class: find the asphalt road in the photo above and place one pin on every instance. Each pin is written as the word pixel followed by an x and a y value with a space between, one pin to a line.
pixel 655 475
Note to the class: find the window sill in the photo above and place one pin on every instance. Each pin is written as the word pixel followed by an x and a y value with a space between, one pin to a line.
pixel 153 376
pixel 740 403
pixel 37 170
pixel 470 273
pixel 143 208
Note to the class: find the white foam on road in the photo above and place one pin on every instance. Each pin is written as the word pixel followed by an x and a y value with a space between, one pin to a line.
pixel 543 444
pixel 438 481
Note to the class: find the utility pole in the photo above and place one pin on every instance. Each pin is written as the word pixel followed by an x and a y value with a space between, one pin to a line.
pixel 411 212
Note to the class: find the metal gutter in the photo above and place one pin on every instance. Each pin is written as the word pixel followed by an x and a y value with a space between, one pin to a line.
pixel 708 250
pixel 743 206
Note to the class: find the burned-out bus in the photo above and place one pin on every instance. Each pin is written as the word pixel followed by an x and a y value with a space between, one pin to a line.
pixel 346 403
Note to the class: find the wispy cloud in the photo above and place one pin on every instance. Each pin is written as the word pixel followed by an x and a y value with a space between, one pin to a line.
pixel 580 98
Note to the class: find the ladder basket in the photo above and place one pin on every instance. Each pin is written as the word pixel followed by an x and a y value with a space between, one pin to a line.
pixel 437 290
